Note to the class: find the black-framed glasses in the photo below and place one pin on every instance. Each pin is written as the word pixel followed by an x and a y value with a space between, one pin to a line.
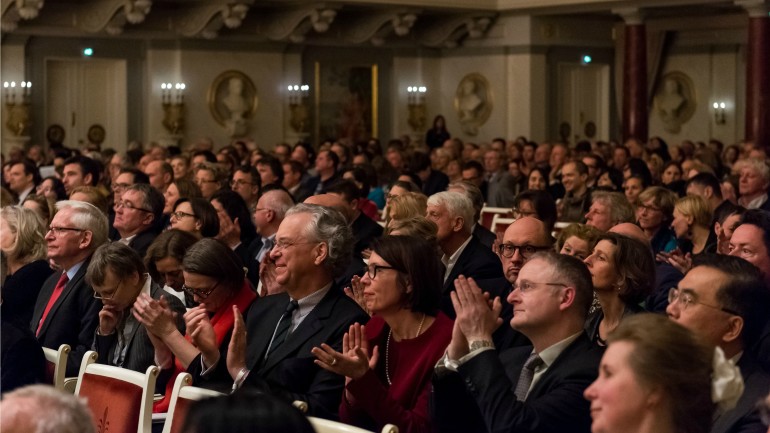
pixel 527 286
pixel 59 230
pixel 518 213
pixel 179 214
pixel 201 293
pixel 686 299
pixel 200 181
pixel 526 251
pixel 130 206
pixel 111 294
pixel 371 270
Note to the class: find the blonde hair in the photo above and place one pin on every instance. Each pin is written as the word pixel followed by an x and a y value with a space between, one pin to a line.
pixel 29 233
pixel 696 207
pixel 93 195
pixel 410 204
pixel 415 226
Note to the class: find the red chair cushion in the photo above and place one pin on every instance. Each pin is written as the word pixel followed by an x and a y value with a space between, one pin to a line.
pixel 114 404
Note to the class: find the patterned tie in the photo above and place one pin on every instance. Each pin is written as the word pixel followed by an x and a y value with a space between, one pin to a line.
pixel 57 291
pixel 527 374
pixel 282 329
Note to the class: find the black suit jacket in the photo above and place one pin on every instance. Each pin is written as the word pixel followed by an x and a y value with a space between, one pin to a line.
pixel 142 241
pixel 485 236
pixel 365 230
pixel 744 417
pixel 290 371
pixel 140 353
pixel 480 397
pixel 761 349
pixel 22 357
pixel 72 319
pixel 436 182
pixel 476 261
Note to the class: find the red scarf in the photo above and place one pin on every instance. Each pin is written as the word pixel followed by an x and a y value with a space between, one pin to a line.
pixel 222 322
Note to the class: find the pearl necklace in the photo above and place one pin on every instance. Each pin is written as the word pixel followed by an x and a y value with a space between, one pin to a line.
pixel 387 349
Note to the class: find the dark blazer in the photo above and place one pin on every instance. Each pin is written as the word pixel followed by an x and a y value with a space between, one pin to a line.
pixel 365 230
pixel 761 349
pixel 142 241
pixel 21 289
pixel 501 189
pixel 253 265
pixel 744 417
pixel 476 261
pixel 436 182
pixel 22 357
pixel 290 370
pixel 485 236
pixel 480 397
pixel 140 353
pixel 72 319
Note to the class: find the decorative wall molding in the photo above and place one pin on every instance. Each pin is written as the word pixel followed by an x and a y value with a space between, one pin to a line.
pixel 112 16
pixel 16 10
pixel 206 21
pixel 450 33
pixel 294 25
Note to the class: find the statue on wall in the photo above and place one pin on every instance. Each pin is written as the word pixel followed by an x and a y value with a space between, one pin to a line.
pixel 674 101
pixel 233 101
pixel 473 102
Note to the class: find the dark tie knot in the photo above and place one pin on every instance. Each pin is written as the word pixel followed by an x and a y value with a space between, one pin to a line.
pixel 293 305
pixel 533 362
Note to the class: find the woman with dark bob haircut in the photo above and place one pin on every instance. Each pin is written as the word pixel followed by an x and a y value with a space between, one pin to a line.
pixel 164 261
pixel 389 362
pixel 214 277
pixel 195 215
pixel 245 412
pixel 622 271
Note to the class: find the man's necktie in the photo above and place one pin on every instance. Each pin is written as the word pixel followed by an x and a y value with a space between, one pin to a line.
pixel 57 291
pixel 282 329
pixel 527 374
pixel 267 245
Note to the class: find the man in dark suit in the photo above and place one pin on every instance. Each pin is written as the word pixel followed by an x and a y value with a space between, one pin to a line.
pixel 274 355
pixel 501 186
pixel 485 236
pixel 463 253
pixel 66 311
pixel 365 229
pixel 118 275
pixel 433 181
pixel 723 300
pixel 524 389
pixel 138 215
pixel 270 211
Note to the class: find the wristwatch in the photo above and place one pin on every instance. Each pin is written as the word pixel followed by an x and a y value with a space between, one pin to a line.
pixel 480 344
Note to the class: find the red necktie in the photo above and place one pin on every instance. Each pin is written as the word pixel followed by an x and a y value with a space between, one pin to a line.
pixel 54 296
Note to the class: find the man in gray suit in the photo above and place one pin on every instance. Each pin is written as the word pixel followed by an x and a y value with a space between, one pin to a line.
pixel 118 276
pixel 501 186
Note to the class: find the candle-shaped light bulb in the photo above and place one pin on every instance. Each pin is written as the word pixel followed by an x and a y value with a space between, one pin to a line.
pixel 722 105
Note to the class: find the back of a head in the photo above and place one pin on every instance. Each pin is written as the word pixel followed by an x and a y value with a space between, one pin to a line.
pixel 669 357
pixel 245 412
pixel 44 409
pixel 634 262
pixel 707 180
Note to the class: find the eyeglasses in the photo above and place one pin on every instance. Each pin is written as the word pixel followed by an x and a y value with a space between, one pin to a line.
pixel 179 214
pixel 518 213
pixel 57 231
pixel 526 251
pixel 130 206
pixel 238 182
pixel 371 270
pixel 645 208
pixel 686 298
pixel 111 294
pixel 201 293
pixel 119 186
pixel 282 244
pixel 527 286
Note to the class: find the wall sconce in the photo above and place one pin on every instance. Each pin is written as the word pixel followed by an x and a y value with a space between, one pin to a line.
pixel 299 113
pixel 416 105
pixel 719 113
pixel 17 103
pixel 172 97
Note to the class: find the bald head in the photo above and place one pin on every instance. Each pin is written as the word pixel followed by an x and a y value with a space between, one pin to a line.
pixel 333 201
pixel 630 230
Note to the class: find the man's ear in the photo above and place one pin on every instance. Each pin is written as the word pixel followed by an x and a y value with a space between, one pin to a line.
pixel 734 329
pixel 87 240
pixel 458 224
pixel 708 192
pixel 88 178
pixel 567 298
pixel 322 254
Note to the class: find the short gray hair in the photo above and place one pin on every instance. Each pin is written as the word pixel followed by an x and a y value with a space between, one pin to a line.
pixel 117 257
pixel 86 216
pixel 278 201
pixel 328 225
pixel 760 166
pixel 458 205
pixel 47 410
pixel 619 208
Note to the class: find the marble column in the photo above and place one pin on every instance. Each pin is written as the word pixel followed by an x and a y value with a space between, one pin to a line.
pixel 635 108
pixel 757 73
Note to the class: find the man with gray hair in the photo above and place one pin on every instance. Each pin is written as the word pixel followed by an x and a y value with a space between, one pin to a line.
pixel 464 254
pixel 137 216
pixel 313 245
pixel 66 311
pixel 43 409
pixel 608 209
pixel 753 185
pixel 270 211
pixel 477 198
